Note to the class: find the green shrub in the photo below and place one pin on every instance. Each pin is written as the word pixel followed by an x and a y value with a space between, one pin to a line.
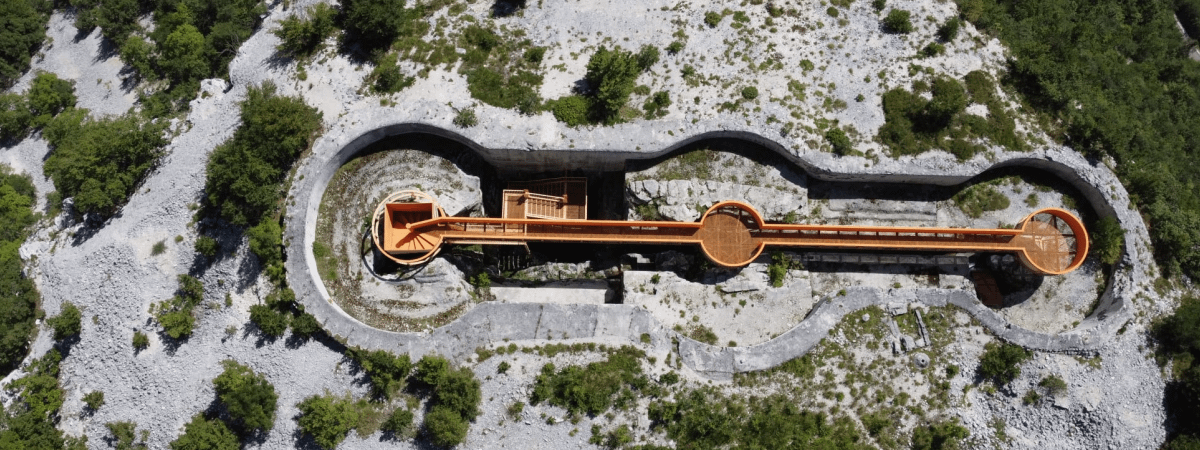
pixel 503 367
pixel 705 418
pixel 175 314
pixel 124 436
pixel 534 55
pixel 646 57
pixel 158 248
pixel 183 56
pixel 137 53
pixel 376 23
pixel 22 33
pixel 897 22
pixel 244 175
pixel 977 199
pixel 94 400
pixel 749 92
pixel 703 334
pixel 831 11
pixel 100 162
pixel 68 323
pixel 837 138
pixel 938 436
pixel 271 322
pixel 15 117
pixel 571 110
pixel 305 325
pixel 385 370
pixel 466 118
pixel 266 241
pixel 589 389
pixel 140 341
pixel 675 47
pixel 1000 362
pixel 32 425
pixel 247 396
pixel 48 96
pixel 445 427
pixel 878 5
pixel 612 73
pixel 932 49
pixel 304 35
pixel 387 76
pixel 399 423
pixel 328 419
pixel 949 30
pixel 1055 386
pixel 712 18
pixel 206 246
pixel 656 105
pixel 1107 240
pixel 206 434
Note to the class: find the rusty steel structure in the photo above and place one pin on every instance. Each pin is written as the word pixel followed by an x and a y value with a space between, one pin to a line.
pixel 409 228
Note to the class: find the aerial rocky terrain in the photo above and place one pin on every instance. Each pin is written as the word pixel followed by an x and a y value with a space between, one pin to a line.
pixel 1115 390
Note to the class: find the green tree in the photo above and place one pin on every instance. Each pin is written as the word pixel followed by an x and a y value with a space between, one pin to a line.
pixel 48 96
pixel 137 53
pixel 100 162
pixel 840 142
pixel 22 30
pixel 949 99
pixel 15 117
pixel 266 241
pixel 247 396
pixel 245 173
pixel 385 370
pixel 399 423
pixel 1001 363
pixel 571 110
pixel 327 418
pixel 1107 240
pixel 938 436
pixel 124 435
pixel 272 323
pixel 68 323
pixel 897 21
pixel 376 23
pixel 612 74
pixel 303 35
pixel 206 434
pixel 445 427
pixel 184 56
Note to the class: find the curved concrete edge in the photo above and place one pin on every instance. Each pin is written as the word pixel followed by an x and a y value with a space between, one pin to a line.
pixel 723 362
pixel 514 138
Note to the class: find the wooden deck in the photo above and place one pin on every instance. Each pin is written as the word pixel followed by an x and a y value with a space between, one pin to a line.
pixel 732 234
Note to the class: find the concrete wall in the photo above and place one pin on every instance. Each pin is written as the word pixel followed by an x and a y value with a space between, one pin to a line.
pixel 535 146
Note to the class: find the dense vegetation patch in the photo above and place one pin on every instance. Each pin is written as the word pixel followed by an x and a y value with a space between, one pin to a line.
pixel 22 30
pixel 247 396
pixel 1117 81
pixel 914 125
pixel 100 162
pixel 191 40
pixel 30 422
pixel 327 418
pixel 206 434
pixel 591 389
pixel 18 295
pixel 176 314
pixel 706 418
pixel 1178 336
pixel 611 79
pixel 1001 363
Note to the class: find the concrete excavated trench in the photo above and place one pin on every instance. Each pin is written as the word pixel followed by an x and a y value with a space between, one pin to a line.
pixel 485 323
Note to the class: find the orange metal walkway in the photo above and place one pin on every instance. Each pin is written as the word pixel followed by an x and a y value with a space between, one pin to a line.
pixel 410 228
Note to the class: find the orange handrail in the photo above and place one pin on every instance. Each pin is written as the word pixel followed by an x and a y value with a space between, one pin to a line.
pixel 1050 241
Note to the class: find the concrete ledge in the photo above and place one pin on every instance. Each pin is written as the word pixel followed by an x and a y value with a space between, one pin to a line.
pixel 520 144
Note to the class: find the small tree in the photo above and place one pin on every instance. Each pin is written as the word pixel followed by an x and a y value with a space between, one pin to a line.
pixel 327 418
pixel 1001 363
pixel 140 341
pixel 612 74
pixel 49 95
pixel 399 423
pixel 1107 240
pixel 445 427
pixel 1055 386
pixel 949 30
pixel 304 36
pixel 840 142
pixel 68 323
pixel 272 323
pixel 206 246
pixel 206 434
pixel 248 396
pixel 386 370
pixel 125 437
pixel 897 21
pixel 94 400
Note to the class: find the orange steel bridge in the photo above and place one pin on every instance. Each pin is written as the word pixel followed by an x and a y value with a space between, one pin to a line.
pixel 410 228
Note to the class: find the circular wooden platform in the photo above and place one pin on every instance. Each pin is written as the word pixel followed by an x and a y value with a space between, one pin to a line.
pixel 725 234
